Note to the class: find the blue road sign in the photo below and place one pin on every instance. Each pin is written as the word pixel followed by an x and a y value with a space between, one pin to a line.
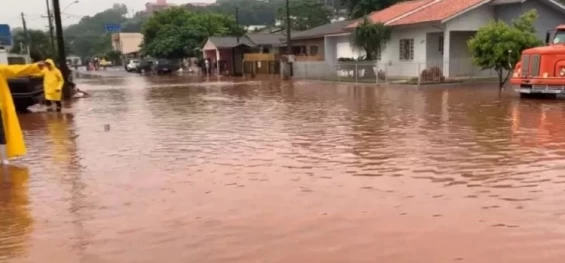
pixel 113 28
pixel 5 35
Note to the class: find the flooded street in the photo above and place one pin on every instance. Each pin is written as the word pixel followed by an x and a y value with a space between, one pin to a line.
pixel 162 170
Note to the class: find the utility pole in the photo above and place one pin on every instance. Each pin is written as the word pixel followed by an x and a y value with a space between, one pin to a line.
pixel 26 33
pixel 288 63
pixel 237 23
pixel 51 29
pixel 288 44
pixel 67 92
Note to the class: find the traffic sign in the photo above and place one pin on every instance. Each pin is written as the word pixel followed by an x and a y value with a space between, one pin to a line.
pixel 113 28
pixel 5 35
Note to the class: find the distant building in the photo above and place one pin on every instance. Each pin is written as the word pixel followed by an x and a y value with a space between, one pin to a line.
pixel 127 43
pixel 151 8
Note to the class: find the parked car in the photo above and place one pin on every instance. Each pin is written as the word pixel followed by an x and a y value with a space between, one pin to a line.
pixel 26 92
pixel 132 65
pixel 144 66
pixel 162 66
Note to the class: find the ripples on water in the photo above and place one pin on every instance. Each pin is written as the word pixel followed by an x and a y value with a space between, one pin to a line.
pixel 264 171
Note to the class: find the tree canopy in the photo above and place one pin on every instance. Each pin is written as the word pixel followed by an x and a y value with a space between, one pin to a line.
pixel 370 37
pixel 88 37
pixel 360 8
pixel 177 32
pixel 305 14
pixel 498 45
pixel 251 12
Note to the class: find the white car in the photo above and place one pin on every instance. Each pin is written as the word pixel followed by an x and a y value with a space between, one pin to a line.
pixel 132 65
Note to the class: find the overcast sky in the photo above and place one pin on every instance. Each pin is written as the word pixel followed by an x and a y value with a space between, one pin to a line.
pixel 35 9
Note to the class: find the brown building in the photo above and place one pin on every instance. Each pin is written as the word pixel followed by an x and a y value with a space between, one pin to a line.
pixel 151 8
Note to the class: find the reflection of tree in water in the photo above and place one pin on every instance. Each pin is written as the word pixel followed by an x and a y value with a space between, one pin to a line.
pixel 15 218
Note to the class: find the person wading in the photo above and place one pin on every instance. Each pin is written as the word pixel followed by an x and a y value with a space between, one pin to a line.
pixel 11 138
pixel 53 85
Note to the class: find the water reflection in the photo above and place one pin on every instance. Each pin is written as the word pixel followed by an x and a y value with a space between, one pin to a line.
pixel 192 169
pixel 15 218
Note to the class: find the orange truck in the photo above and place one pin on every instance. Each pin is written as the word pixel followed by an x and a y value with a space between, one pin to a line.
pixel 541 70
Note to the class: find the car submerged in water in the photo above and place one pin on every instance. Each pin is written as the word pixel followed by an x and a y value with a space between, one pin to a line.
pixel 158 66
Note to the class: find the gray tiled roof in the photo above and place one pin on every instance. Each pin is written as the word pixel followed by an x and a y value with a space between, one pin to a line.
pixel 320 31
pixel 265 39
pixel 230 41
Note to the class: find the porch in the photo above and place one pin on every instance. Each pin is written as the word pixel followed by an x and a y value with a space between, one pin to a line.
pixel 227 61
pixel 448 51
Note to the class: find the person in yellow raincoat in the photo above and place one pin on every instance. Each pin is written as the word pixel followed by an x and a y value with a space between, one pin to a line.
pixel 11 138
pixel 52 84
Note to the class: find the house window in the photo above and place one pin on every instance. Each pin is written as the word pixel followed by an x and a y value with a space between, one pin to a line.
pixel 440 45
pixel 313 50
pixel 407 49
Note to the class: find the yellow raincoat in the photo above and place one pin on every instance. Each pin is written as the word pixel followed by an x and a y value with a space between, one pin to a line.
pixel 14 137
pixel 52 82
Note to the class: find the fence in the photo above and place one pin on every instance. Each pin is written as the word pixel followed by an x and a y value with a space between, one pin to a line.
pixel 261 67
pixel 456 70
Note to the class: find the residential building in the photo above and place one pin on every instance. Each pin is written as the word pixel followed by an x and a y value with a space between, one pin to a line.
pixel 127 43
pixel 151 8
pixel 312 42
pixel 434 33
pixel 228 51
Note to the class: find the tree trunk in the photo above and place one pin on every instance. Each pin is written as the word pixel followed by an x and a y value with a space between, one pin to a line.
pixel 368 55
pixel 500 82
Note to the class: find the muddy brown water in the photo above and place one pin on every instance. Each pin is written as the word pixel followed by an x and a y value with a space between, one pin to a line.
pixel 193 170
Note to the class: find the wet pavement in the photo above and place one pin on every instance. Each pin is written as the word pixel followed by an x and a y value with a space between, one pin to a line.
pixel 176 169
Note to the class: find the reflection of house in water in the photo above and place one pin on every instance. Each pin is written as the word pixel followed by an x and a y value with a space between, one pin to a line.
pixel 15 218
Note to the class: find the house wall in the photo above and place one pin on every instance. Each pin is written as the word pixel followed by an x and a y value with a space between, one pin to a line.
pixel 549 16
pixel 319 42
pixel 471 20
pixel 343 48
pixel 395 67
pixel 457 59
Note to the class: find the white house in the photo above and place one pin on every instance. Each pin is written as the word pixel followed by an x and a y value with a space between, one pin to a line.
pixel 434 33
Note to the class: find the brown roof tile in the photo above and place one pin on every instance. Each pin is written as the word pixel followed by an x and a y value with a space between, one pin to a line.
pixel 394 11
pixel 439 11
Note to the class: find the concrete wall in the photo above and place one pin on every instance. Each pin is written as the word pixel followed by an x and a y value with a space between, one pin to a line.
pixel 313 70
pixel 549 16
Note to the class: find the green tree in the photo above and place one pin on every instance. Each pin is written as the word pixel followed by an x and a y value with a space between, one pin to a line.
pixel 305 14
pixel 251 12
pixel 40 43
pixel 498 45
pixel 135 24
pixel 360 8
pixel 370 37
pixel 89 36
pixel 177 32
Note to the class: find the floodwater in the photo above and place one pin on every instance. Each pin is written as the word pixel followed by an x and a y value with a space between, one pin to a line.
pixel 181 170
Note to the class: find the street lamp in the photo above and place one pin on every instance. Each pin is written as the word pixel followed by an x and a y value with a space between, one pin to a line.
pixel 69 5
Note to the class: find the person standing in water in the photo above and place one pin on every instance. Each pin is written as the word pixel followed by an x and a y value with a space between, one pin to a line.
pixel 53 85
pixel 11 138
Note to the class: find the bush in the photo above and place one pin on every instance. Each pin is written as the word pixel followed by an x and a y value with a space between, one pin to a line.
pixel 434 74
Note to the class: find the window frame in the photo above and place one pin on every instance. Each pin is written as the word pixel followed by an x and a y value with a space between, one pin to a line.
pixel 310 53
pixel 406 53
